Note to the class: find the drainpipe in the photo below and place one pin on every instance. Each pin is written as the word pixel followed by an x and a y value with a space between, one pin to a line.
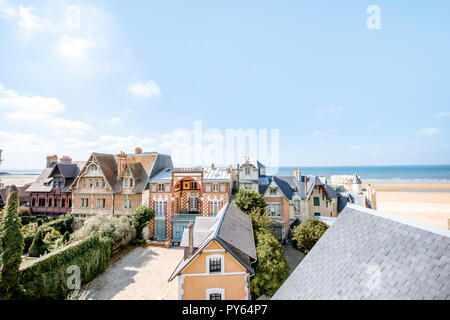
pixel 191 237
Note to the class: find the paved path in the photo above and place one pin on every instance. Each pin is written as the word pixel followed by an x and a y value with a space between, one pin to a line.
pixel 141 274
pixel 293 256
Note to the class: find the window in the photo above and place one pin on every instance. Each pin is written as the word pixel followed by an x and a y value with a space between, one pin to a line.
pixel 101 203
pixel 131 182
pixel 247 171
pixel 316 214
pixel 160 208
pixel 50 203
pixel 70 203
pixel 222 188
pixel 153 187
pixel 296 206
pixel 91 183
pixel 215 187
pixel 215 296
pixel 41 202
pixel 33 202
pixel 103 183
pixel 167 187
pixel 215 264
pixel 214 207
pixel 273 191
pixel 97 184
pixel 193 185
pixel 84 202
pixel 274 209
pixel 57 203
pixel 63 202
pixel 160 187
pixel 208 188
pixel 84 183
pixel 317 201
pixel 127 204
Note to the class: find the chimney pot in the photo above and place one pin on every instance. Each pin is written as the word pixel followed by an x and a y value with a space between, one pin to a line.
pixel 51 159
pixel 212 165
pixel 65 159
pixel 138 150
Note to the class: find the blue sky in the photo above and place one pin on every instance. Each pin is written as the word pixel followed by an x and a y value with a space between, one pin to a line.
pixel 83 76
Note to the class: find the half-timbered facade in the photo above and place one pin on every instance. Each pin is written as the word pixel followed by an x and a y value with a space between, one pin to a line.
pixel 114 184
pixel 178 195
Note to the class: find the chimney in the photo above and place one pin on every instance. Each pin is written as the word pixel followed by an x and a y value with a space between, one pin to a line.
pixel 65 159
pixel 212 165
pixel 51 159
pixel 138 150
pixel 121 161
pixel 191 237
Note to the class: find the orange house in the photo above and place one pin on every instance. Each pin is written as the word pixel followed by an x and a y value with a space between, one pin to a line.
pixel 218 256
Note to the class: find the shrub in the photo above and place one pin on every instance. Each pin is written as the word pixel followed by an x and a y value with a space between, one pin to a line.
pixel 308 233
pixel 271 268
pixel 11 244
pixel 37 247
pixel 141 215
pixel 260 220
pixel 115 228
pixel 25 215
pixel 62 224
pixel 29 232
pixel 248 200
pixel 47 278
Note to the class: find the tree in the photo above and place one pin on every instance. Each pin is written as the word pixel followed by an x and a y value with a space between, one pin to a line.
pixel 271 268
pixel 141 215
pixel 260 220
pixel 308 233
pixel 247 200
pixel 24 215
pixel 37 246
pixel 11 246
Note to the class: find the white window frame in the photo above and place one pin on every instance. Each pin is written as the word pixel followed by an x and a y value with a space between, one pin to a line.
pixel 215 187
pixel 210 291
pixel 216 205
pixel 222 263
pixel 272 205
pixel 160 207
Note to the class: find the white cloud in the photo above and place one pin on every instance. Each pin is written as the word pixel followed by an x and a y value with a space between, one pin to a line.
pixel 39 110
pixel 75 48
pixel 147 90
pixel 333 109
pixel 427 132
pixel 29 22
pixel 11 99
pixel 7 10
pixel 355 148
pixel 113 120
pixel 443 115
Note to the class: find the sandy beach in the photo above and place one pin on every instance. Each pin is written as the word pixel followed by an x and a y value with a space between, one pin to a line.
pixel 17 179
pixel 424 202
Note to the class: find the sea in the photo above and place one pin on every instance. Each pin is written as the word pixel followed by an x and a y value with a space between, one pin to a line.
pixel 372 174
pixel 368 174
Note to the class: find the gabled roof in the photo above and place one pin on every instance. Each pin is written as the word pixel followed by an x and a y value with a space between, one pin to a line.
pixel 231 228
pixel 373 255
pixel 43 183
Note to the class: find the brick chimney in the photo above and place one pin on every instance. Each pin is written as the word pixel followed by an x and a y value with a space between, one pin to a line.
pixel 65 159
pixel 191 238
pixel 121 161
pixel 51 159
pixel 138 150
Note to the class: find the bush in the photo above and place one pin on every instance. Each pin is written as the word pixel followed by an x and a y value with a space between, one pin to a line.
pixel 25 215
pixel 47 278
pixel 11 244
pixel 62 224
pixel 141 215
pixel 260 220
pixel 271 268
pixel 112 227
pixel 37 247
pixel 29 232
pixel 248 200
pixel 308 233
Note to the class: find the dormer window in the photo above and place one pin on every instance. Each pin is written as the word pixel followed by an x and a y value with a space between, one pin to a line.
pixel 128 182
pixel 247 171
pixel 273 191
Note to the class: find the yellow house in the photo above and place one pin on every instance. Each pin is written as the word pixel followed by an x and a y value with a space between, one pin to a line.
pixel 218 254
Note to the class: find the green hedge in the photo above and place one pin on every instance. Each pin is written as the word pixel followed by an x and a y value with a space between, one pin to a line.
pixel 62 224
pixel 47 278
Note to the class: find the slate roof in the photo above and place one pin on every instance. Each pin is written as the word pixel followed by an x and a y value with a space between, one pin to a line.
pixel 44 182
pixel 231 228
pixel 367 254
pixel 216 174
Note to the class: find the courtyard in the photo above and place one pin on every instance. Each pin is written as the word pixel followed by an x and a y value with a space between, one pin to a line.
pixel 140 274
